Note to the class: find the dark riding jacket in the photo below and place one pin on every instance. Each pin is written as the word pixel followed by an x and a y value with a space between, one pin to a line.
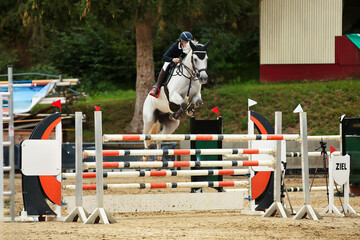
pixel 175 51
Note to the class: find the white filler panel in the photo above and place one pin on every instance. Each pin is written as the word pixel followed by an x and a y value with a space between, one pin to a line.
pixel 164 202
pixel 40 157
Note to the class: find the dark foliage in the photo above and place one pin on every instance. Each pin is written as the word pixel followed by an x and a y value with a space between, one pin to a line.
pixel 95 40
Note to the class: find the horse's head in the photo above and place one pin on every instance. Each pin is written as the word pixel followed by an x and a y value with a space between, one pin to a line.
pixel 199 61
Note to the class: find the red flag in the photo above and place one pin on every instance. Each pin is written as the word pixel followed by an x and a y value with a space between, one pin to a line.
pixel 97 108
pixel 332 149
pixel 57 104
pixel 216 110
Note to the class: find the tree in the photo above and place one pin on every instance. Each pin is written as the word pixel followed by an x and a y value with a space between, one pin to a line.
pixel 155 23
pixel 143 16
pixel 145 25
pixel 147 16
pixel 24 24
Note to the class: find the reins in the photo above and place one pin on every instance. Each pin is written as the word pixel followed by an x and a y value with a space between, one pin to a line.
pixel 194 74
pixel 180 72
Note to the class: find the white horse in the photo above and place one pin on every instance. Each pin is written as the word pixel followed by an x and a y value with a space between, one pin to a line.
pixel 182 94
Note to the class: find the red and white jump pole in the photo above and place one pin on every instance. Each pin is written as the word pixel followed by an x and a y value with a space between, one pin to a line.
pixel 199 137
pixel 167 173
pixel 165 152
pixel 162 185
pixel 268 163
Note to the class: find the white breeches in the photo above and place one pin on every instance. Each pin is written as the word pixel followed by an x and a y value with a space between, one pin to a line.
pixel 166 64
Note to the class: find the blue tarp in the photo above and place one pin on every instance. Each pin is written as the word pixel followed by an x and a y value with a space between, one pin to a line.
pixel 25 98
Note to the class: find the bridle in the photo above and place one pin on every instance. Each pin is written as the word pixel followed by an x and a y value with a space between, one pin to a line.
pixel 196 70
pixel 194 74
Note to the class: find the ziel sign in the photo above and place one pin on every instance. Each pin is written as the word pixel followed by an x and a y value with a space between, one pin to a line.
pixel 340 168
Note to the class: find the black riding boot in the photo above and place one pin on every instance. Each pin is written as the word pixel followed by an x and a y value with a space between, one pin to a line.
pixel 155 91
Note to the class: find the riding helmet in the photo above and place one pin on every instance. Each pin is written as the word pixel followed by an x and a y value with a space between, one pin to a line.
pixel 186 36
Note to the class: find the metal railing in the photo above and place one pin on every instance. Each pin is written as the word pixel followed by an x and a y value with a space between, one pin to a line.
pixel 10 143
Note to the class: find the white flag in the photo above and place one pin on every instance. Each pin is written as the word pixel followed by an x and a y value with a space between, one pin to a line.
pixel 251 102
pixel 298 109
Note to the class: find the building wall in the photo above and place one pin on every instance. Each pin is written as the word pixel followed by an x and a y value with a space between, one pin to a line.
pixel 346 52
pixel 299 31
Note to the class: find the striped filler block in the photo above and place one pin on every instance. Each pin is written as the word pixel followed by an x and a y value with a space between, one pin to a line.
pixel 166 152
pixel 163 173
pixel 310 154
pixel 164 164
pixel 162 185
pixel 199 137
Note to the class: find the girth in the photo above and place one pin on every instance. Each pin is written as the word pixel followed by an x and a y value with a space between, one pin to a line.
pixel 173 107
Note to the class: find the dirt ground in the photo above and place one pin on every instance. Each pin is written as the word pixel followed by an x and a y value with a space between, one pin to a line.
pixel 195 224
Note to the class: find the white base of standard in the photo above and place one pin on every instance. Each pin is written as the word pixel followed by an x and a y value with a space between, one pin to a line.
pixel 164 202
pixel 254 213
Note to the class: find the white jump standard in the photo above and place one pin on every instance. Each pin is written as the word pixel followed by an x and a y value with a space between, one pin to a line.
pixel 306 209
pixel 78 212
pixel 99 214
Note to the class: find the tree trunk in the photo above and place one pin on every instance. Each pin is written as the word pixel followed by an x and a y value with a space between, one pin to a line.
pixel 145 72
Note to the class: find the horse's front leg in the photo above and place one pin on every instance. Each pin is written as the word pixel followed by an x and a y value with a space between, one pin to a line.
pixel 158 146
pixel 177 99
pixel 195 103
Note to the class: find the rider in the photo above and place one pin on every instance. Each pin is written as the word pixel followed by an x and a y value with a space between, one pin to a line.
pixel 173 54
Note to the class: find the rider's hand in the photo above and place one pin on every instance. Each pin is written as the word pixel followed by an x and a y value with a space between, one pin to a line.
pixel 176 60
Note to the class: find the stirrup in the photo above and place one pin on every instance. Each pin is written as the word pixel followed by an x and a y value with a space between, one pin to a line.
pixel 155 92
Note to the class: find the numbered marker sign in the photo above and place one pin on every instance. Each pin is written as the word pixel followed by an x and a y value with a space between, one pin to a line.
pixel 341 168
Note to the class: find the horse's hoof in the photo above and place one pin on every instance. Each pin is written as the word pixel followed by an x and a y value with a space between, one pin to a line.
pixel 145 159
pixel 171 117
pixel 199 102
pixel 183 105
pixel 174 116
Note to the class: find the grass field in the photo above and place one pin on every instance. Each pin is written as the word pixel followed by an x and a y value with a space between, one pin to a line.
pixel 324 102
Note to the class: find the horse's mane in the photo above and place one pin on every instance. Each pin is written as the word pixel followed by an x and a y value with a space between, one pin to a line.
pixel 197 44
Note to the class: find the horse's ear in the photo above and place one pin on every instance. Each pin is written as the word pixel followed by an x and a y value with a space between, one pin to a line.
pixel 193 47
pixel 206 45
